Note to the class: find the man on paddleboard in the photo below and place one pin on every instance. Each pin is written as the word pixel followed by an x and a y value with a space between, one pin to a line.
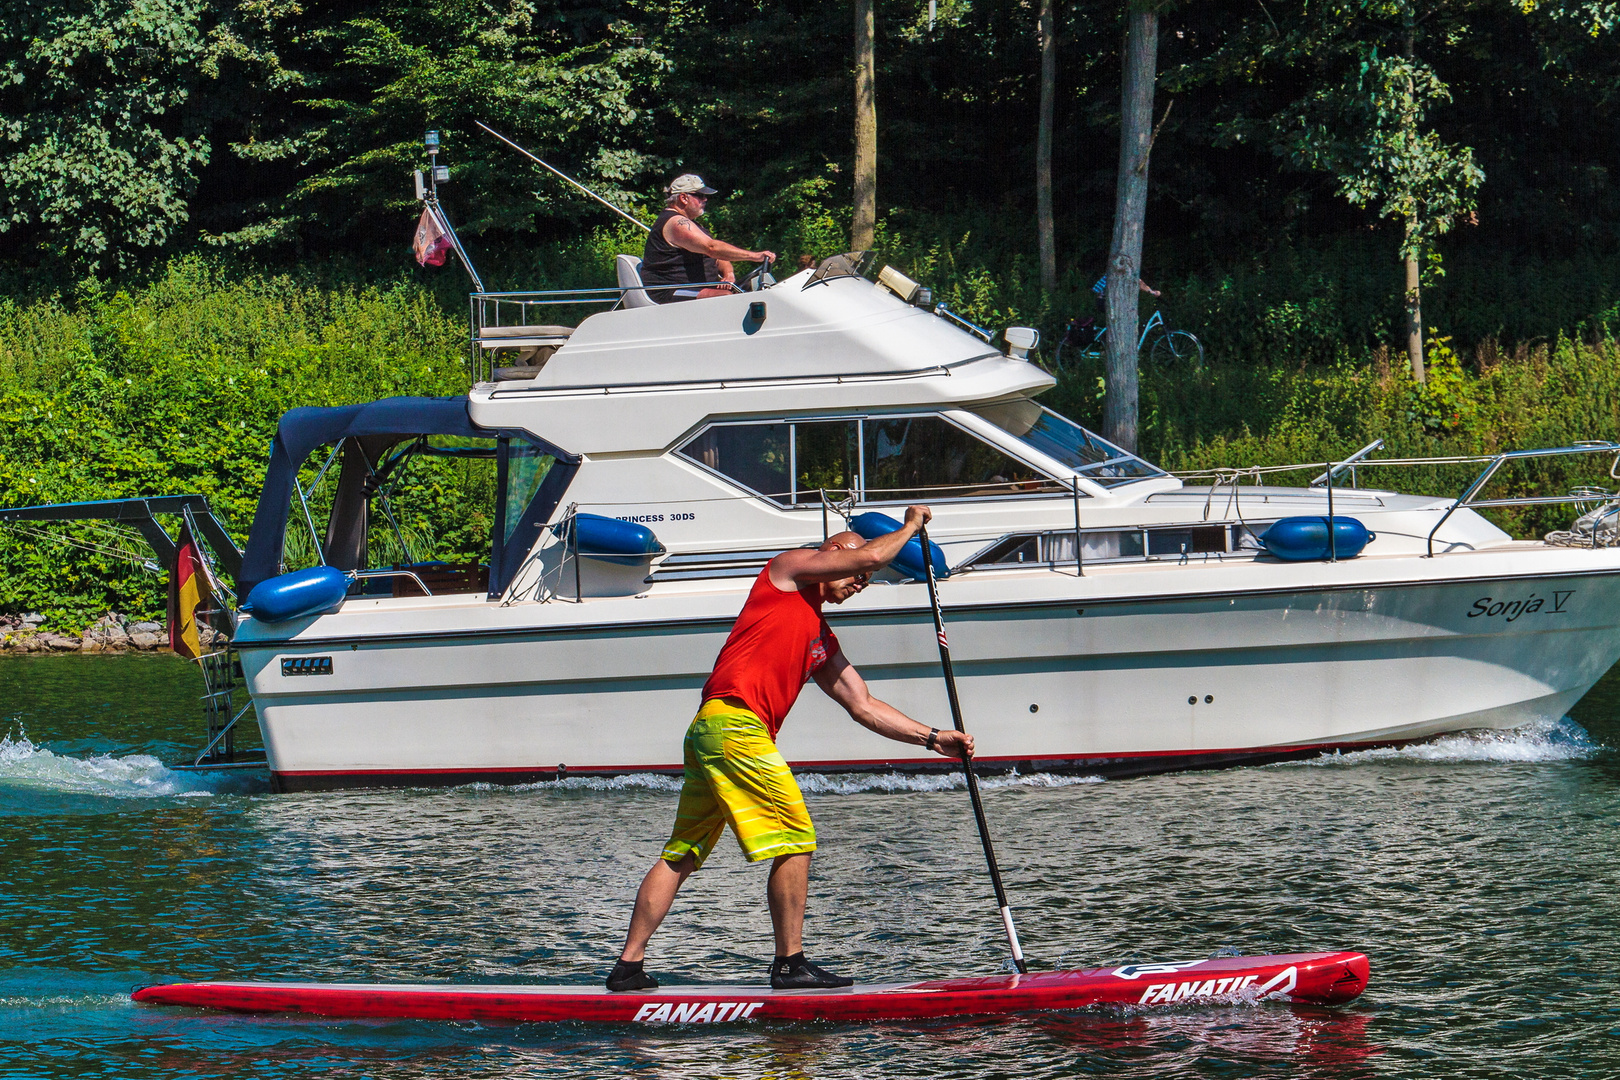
pixel 734 774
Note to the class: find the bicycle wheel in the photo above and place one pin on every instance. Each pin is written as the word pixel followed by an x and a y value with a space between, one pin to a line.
pixel 1177 348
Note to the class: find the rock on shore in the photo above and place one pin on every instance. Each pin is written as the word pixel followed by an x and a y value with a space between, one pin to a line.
pixel 112 633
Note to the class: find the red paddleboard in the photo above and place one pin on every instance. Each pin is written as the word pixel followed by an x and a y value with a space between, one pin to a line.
pixel 1319 978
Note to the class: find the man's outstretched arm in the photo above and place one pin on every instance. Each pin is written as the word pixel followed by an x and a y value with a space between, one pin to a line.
pixel 844 685
pixel 684 233
pixel 804 567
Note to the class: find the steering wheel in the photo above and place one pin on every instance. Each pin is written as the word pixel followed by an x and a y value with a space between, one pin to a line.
pixel 758 278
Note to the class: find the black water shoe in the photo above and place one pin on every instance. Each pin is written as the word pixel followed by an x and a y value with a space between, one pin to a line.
pixel 796 973
pixel 630 976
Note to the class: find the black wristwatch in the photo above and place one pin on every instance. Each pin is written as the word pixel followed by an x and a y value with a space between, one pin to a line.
pixel 933 737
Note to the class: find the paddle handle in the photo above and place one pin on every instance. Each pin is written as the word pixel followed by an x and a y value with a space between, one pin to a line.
pixel 967 764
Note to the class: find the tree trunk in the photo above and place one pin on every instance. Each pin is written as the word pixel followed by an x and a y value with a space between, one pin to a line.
pixel 1141 56
pixel 1414 278
pixel 1414 318
pixel 865 223
pixel 1043 150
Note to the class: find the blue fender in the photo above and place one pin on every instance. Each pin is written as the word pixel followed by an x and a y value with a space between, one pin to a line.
pixel 295 595
pixel 612 540
pixel 1305 539
pixel 909 562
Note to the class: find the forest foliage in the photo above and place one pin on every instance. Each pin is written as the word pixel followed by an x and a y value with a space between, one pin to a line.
pixel 206 210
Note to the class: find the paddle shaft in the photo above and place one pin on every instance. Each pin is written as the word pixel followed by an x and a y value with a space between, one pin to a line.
pixel 967 764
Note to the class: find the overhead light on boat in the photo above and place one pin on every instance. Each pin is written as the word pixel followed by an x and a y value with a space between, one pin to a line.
pixel 1020 339
pixel 903 287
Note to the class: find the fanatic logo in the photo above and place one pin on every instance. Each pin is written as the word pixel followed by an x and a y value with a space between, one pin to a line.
pixel 1279 985
pixel 696 1012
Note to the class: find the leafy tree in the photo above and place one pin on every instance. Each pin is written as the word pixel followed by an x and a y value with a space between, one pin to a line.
pixel 98 150
pixel 581 105
pixel 1369 132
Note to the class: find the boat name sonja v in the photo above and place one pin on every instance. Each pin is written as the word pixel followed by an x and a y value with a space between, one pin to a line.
pixel 1490 607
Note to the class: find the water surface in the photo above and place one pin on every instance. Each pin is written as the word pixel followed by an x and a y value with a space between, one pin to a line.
pixel 1479 873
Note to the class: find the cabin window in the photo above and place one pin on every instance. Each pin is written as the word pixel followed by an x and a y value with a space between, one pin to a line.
pixel 911 458
pixel 827 457
pixel 754 455
pixel 878 459
pixel 1063 440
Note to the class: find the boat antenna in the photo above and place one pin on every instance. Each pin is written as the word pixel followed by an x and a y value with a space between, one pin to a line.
pixel 967 764
pixel 427 192
pixel 643 226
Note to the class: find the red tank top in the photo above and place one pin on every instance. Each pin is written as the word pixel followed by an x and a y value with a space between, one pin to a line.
pixel 777 642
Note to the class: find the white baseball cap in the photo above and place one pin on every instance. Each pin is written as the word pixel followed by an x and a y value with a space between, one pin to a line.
pixel 690 184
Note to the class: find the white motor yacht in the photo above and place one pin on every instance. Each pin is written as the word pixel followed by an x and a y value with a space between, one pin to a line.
pixel 735 428
pixel 1105 617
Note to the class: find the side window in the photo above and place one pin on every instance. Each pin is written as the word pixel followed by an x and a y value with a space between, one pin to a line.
pixel 926 457
pixel 754 455
pixel 527 466
pixel 828 458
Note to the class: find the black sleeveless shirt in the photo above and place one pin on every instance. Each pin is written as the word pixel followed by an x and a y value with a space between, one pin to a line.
pixel 662 263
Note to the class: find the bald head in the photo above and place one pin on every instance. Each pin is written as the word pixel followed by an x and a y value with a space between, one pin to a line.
pixel 846 539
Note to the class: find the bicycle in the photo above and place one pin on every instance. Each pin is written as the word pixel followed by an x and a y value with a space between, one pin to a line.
pixel 1170 347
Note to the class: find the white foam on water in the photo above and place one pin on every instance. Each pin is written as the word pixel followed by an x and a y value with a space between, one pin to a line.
pixel 809 783
pixel 857 783
pixel 63 1001
pixel 627 782
pixel 136 776
pixel 1543 741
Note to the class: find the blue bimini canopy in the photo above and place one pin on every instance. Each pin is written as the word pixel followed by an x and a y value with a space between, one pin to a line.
pixel 381 424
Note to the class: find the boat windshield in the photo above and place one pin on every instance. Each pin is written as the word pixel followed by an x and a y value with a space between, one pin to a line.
pixel 1092 457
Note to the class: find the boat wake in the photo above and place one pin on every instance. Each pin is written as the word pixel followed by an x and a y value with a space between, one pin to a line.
pixel 809 783
pixel 1543 741
pixel 857 783
pixel 23 764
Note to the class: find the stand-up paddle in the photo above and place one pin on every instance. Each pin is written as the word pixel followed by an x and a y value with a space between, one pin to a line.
pixel 967 764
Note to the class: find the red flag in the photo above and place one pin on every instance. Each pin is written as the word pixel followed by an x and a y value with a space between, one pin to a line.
pixel 432 244
pixel 188 591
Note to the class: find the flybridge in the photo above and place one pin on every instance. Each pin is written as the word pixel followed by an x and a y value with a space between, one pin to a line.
pixel 805 326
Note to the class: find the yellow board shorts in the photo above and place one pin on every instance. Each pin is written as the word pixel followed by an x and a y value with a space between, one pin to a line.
pixel 735 776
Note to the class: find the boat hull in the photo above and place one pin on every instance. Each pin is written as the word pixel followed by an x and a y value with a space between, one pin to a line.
pixel 1315 978
pixel 1098 674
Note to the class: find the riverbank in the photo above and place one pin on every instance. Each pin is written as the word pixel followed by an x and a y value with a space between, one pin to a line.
pixel 116 634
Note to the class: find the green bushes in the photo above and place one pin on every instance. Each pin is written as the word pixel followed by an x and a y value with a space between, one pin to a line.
pixel 1241 415
pixel 176 387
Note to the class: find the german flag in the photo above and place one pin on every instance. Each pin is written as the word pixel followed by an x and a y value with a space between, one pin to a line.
pixel 188 591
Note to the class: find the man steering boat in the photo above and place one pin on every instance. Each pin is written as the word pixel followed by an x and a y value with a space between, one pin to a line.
pixel 679 251
pixel 734 775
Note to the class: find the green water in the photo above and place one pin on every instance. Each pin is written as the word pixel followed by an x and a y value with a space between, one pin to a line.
pixel 1480 875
